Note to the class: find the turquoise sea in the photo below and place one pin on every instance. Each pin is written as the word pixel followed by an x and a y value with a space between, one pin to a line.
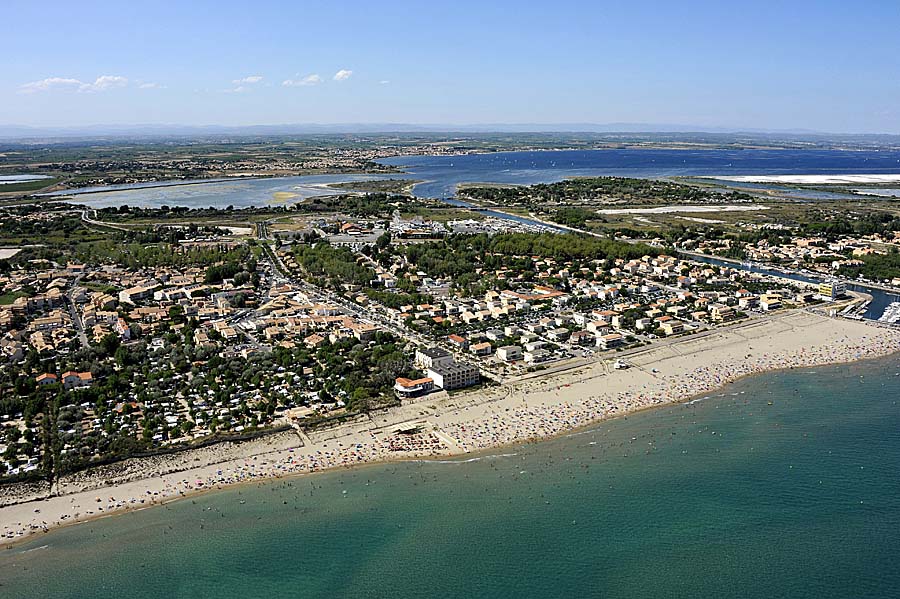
pixel 781 485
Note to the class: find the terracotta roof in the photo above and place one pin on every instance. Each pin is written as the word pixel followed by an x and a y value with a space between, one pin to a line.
pixel 409 383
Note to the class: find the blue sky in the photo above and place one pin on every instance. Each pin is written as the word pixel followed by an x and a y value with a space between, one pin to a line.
pixel 828 66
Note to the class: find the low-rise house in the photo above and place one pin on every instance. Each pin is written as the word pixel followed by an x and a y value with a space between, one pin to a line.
pixel 75 380
pixel 535 327
pixel 458 342
pixel 509 353
pixel 133 295
pixel 721 313
pixel 363 330
pixel 314 340
pixel 121 327
pixel 748 302
pixel 643 324
pixel 559 334
pixel 494 334
pixel 11 351
pixel 672 327
pixel 582 338
pixel 45 379
pixel 537 356
pixel 481 349
pixel 768 303
pixel 407 389
pixel 533 345
pixel 610 341
pixel 599 327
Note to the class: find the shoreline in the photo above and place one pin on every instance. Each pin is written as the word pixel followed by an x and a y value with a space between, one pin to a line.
pixel 524 411
pixel 799 179
pixel 67 195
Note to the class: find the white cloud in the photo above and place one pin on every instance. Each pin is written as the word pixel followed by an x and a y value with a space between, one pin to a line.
pixel 246 80
pixel 48 84
pixel 342 75
pixel 151 85
pixel 237 90
pixel 305 81
pixel 384 82
pixel 103 82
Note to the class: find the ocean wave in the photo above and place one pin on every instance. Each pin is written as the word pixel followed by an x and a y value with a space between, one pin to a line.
pixel 465 461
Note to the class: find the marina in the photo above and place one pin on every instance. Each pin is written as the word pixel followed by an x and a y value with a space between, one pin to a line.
pixel 891 314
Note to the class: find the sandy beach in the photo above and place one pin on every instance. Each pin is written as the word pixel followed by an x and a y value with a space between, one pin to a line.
pixel 533 407
pixel 810 179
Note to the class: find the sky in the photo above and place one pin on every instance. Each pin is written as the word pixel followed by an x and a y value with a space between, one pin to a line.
pixel 829 66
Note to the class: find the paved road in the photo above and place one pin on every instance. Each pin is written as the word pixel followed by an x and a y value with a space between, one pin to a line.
pixel 73 312
pixel 368 314
pixel 88 219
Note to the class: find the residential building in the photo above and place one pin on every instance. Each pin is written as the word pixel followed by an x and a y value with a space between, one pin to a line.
pixel 45 379
pixel 831 290
pixel 770 303
pixel 610 341
pixel 73 380
pixel 721 312
pixel 454 375
pixel 560 334
pixel 672 327
pixel 457 341
pixel 429 357
pixel 407 389
pixel 481 349
pixel 537 356
pixel 509 353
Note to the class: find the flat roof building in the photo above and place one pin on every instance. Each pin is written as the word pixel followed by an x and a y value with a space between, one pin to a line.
pixel 832 289
pixel 509 353
pixel 428 357
pixel 454 375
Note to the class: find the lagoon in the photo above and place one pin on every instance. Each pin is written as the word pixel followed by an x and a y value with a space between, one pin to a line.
pixel 442 174
pixel 218 193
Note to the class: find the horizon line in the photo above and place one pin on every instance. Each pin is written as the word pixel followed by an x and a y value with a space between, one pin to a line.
pixel 22 131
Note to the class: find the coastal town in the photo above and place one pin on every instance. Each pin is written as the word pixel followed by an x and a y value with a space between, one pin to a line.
pixel 456 300
pixel 177 337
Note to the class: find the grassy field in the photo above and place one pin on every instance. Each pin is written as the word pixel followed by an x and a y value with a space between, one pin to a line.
pixel 26 186
pixel 384 186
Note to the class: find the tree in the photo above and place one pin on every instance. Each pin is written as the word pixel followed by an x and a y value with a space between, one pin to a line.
pixel 110 343
pixel 176 313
